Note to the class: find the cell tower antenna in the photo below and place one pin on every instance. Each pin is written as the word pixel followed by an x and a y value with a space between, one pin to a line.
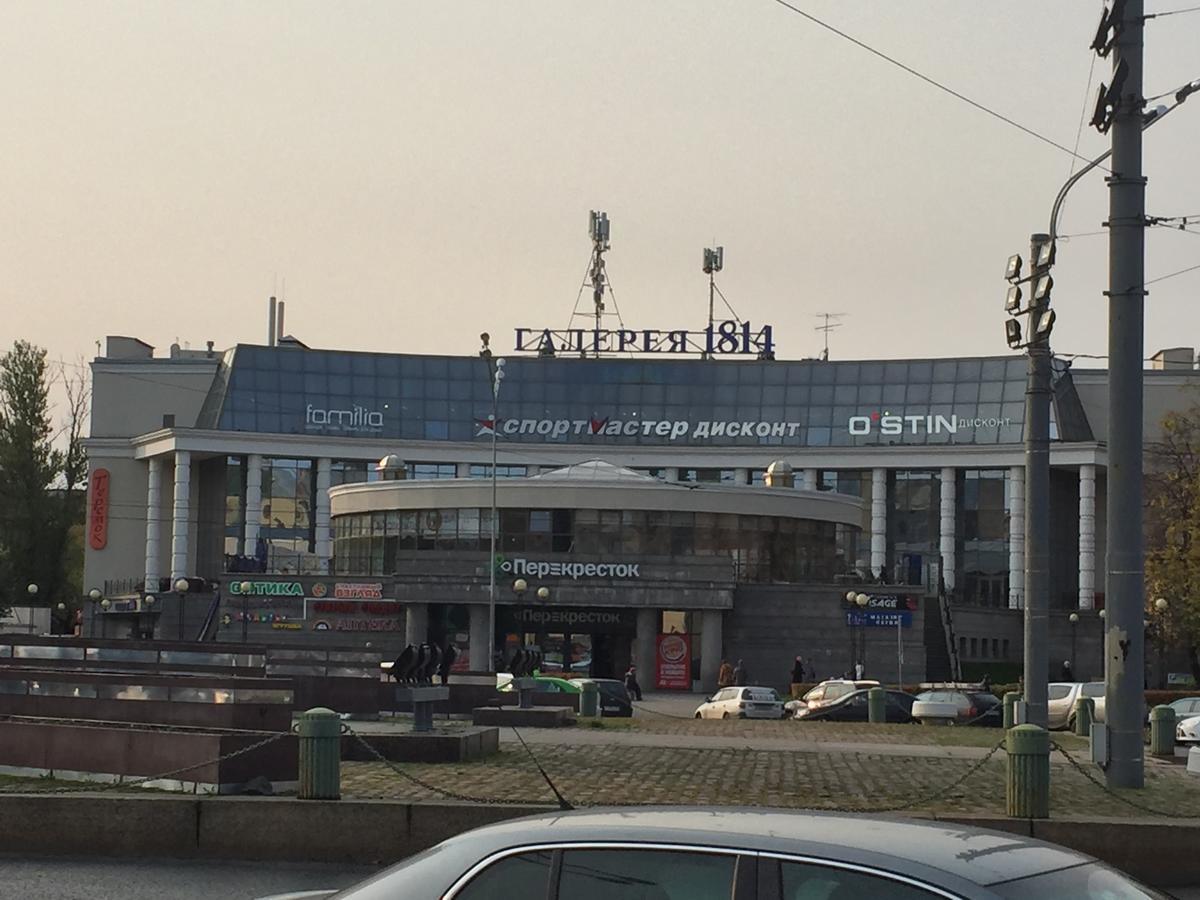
pixel 714 261
pixel 597 276
pixel 828 324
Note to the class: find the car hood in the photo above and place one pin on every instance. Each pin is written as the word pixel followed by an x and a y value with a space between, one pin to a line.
pixel 1191 722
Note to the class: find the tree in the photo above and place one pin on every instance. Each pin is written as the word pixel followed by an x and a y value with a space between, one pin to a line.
pixel 37 512
pixel 1173 532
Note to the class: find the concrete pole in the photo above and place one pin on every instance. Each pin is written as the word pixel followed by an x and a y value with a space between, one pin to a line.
pixel 153 513
pixel 1087 536
pixel 254 467
pixel 1124 638
pixel 324 540
pixel 878 520
pixel 1016 537
pixel 1037 513
pixel 480 659
pixel 949 510
pixel 181 513
pixel 416 623
pixel 644 643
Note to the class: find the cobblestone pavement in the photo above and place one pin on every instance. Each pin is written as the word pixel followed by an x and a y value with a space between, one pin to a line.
pixel 620 774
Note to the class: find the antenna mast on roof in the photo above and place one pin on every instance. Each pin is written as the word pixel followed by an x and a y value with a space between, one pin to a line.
pixel 828 326
pixel 597 276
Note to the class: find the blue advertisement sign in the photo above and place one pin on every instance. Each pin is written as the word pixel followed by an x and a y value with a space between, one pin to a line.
pixel 879 618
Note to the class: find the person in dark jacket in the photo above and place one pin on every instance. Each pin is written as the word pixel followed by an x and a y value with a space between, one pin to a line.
pixel 798 670
pixel 739 674
pixel 631 684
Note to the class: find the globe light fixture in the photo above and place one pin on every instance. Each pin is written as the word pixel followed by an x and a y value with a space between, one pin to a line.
pixel 94 595
pixel 520 586
pixel 862 600
pixel 1161 604
pixel 32 589
pixel 543 593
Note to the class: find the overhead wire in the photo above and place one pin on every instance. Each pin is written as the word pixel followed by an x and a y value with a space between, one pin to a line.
pixel 931 81
pixel 1087 93
pixel 1171 12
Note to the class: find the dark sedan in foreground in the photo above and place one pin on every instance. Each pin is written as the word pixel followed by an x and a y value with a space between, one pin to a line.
pixel 853 708
pixel 713 853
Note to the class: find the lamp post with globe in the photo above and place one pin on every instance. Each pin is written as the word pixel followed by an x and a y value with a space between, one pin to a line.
pixel 181 588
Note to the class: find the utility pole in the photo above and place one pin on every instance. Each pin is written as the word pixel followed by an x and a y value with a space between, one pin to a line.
pixel 1124 632
pixel 1037 485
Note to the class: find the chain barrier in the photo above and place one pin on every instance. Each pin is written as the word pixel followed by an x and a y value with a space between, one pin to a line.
pixel 435 789
pixel 27 788
pixel 1082 770
pixel 654 712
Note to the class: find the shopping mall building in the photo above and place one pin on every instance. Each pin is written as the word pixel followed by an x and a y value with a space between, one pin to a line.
pixel 632 489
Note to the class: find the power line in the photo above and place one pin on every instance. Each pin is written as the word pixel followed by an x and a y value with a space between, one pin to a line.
pixel 1087 94
pixel 937 84
pixel 1172 12
pixel 1173 274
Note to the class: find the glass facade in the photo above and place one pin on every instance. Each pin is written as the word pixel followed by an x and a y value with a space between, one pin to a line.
pixel 914 524
pixel 709 476
pixel 478 471
pixel 804 403
pixel 761 548
pixel 982 537
pixel 855 483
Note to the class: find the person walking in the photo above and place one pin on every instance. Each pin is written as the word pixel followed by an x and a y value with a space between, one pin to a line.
pixel 739 674
pixel 725 675
pixel 859 671
pixel 1068 673
pixel 631 684
pixel 797 677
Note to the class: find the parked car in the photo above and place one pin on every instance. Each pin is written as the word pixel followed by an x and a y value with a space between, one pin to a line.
pixel 1061 697
pixel 826 692
pixel 614 698
pixel 974 707
pixel 1185 707
pixel 1188 731
pixel 742 703
pixel 548 684
pixel 853 708
pixel 714 853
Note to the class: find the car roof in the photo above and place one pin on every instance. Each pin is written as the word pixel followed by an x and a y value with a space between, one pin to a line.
pixel 902 846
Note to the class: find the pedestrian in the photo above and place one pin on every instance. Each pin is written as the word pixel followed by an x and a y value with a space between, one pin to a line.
pixel 1067 673
pixel 631 683
pixel 859 671
pixel 725 674
pixel 798 670
pixel 739 674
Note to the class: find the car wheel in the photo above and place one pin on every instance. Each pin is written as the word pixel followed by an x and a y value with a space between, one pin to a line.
pixel 698 716
pixel 724 715
pixel 1071 724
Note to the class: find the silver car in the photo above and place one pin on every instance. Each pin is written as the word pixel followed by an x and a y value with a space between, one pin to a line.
pixel 714 853
pixel 1062 696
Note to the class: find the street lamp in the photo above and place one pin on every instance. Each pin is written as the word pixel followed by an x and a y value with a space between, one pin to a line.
pixel 94 595
pixel 543 593
pixel 32 590
pixel 1074 620
pixel 181 588
pixel 520 586
pixel 1160 607
pixel 246 587
pixel 495 369
pixel 861 600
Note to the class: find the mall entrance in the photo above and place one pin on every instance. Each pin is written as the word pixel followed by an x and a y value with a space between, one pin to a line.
pixel 595 643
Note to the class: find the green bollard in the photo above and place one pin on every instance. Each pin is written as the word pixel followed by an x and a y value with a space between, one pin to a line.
pixel 877 706
pixel 589 699
pixel 1085 711
pixel 1028 787
pixel 1010 700
pixel 320 732
pixel 1162 731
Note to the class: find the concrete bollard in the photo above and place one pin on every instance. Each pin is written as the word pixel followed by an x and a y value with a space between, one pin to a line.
pixel 877 706
pixel 320 732
pixel 1010 700
pixel 1028 782
pixel 1162 731
pixel 1085 712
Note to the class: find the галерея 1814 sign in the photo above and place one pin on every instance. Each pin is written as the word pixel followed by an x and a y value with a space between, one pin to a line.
pixel 727 338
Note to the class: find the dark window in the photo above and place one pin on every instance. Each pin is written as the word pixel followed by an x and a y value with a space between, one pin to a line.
pixel 644 875
pixel 527 875
pixel 800 881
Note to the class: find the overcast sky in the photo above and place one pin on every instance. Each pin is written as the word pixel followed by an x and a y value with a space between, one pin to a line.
pixel 419 172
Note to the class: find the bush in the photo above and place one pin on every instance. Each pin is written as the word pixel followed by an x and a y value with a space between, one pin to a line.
pixel 1159 698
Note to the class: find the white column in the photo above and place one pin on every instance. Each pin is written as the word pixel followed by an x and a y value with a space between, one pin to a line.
pixel 480 644
pixel 461 470
pixel 153 513
pixel 1087 536
pixel 949 511
pixel 810 479
pixel 878 520
pixel 254 467
pixel 1016 537
pixel 711 644
pixel 644 644
pixel 672 473
pixel 182 509
pixel 324 541
pixel 416 623
pixel 741 476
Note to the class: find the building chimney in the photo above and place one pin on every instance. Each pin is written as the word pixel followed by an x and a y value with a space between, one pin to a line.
pixel 210 349
pixel 271 324
pixel 279 332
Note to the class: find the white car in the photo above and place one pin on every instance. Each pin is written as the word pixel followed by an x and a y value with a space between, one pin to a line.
pixel 1188 731
pixel 742 703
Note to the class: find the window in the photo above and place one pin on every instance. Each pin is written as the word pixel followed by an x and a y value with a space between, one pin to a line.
pixel 429 471
pixel 1058 692
pixel 642 875
pixel 808 881
pixel 709 476
pixel 1088 882
pixel 526 875
pixel 482 471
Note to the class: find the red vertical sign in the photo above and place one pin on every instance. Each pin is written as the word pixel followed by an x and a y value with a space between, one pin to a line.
pixel 98 510
pixel 673 662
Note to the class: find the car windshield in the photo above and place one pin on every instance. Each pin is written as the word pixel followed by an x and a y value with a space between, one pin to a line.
pixel 1093 689
pixel 1087 882
pixel 1059 691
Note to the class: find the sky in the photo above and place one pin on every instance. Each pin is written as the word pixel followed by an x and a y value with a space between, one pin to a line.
pixel 408 174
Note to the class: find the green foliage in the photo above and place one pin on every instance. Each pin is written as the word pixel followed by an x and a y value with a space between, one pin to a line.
pixel 36 511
